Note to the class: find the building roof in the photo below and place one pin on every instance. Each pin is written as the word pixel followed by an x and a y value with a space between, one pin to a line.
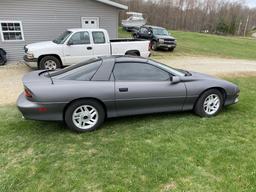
pixel 114 4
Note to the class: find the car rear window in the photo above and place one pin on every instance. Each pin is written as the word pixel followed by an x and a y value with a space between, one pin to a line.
pixel 80 72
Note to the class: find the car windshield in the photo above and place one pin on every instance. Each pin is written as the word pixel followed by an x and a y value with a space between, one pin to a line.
pixel 62 38
pixel 171 70
pixel 160 31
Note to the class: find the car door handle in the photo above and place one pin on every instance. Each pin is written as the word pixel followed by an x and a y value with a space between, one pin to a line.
pixel 89 48
pixel 123 89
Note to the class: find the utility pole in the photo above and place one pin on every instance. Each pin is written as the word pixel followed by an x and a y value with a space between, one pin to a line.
pixel 246 25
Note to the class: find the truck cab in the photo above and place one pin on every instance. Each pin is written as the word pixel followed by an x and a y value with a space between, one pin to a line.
pixel 76 45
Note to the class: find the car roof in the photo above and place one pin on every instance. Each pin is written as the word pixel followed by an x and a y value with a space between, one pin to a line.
pixel 84 29
pixel 152 26
pixel 125 58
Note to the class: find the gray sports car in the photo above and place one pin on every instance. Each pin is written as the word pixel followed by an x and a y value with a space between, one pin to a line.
pixel 85 94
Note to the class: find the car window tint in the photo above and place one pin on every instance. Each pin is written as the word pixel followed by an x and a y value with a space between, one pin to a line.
pixel 98 37
pixel 83 73
pixel 80 38
pixel 143 30
pixel 139 72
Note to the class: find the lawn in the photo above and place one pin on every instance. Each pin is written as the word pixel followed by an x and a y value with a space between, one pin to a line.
pixel 163 152
pixel 190 43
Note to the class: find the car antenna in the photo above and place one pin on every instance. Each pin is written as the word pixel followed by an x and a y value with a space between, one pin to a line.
pixel 48 71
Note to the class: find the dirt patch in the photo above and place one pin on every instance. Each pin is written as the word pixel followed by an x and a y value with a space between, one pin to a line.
pixel 214 66
pixel 11 82
pixel 11 75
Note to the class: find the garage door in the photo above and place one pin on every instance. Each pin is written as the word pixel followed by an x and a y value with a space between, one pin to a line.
pixel 90 22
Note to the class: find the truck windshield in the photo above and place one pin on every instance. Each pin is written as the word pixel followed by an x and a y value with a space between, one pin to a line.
pixel 62 38
pixel 160 31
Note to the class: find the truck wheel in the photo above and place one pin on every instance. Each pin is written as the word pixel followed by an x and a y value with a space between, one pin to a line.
pixel 154 46
pixel 171 49
pixel 134 36
pixel 2 57
pixel 50 63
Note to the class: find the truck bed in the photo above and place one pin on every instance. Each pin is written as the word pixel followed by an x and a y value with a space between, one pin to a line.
pixel 125 40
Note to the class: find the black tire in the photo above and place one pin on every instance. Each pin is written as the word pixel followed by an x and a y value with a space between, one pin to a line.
pixel 171 49
pixel 154 46
pixel 74 106
pixel 55 61
pixel 3 59
pixel 134 36
pixel 199 107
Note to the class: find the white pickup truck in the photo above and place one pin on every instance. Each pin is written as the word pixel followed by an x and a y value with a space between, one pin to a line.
pixel 77 45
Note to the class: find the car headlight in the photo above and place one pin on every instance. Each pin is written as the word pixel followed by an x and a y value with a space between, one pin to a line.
pixel 30 55
pixel 161 40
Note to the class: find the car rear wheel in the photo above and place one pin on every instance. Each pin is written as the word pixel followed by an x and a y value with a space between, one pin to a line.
pixel 84 116
pixel 209 104
pixel 50 63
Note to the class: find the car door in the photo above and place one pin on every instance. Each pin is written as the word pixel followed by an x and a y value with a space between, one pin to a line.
pixel 78 48
pixel 144 88
pixel 100 45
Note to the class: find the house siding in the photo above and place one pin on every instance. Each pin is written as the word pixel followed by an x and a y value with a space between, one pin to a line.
pixel 44 20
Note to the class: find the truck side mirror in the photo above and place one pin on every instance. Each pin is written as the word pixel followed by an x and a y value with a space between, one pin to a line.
pixel 70 42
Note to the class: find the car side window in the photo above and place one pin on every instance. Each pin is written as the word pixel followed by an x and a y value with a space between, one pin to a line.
pixel 143 30
pixel 83 73
pixel 80 38
pixel 139 72
pixel 98 37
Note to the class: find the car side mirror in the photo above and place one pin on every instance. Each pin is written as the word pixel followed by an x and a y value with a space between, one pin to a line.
pixel 175 79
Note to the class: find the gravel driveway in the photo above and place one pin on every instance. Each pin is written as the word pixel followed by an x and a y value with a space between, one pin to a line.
pixel 11 75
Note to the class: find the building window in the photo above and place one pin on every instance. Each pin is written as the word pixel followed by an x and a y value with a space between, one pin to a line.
pixel 11 31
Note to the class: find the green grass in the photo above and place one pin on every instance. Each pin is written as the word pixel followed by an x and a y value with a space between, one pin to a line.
pixel 190 43
pixel 163 152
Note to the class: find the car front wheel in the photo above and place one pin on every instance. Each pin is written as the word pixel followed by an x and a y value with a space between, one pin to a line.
pixel 210 103
pixel 84 116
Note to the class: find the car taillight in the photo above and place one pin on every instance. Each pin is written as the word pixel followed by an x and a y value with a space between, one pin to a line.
pixel 27 92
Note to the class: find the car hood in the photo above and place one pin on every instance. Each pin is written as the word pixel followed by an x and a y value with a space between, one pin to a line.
pixel 198 75
pixel 40 45
pixel 164 37
pixel 195 76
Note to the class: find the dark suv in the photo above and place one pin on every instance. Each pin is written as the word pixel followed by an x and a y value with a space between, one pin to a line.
pixel 159 37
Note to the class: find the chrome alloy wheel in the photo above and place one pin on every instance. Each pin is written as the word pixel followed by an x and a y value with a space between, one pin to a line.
pixel 212 104
pixel 50 65
pixel 85 117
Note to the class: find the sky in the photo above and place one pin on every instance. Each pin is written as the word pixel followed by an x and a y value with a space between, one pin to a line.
pixel 251 3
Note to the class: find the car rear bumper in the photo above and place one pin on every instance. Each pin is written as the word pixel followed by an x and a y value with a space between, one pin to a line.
pixel 40 111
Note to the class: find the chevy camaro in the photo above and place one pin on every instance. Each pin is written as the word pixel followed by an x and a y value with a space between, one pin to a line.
pixel 85 94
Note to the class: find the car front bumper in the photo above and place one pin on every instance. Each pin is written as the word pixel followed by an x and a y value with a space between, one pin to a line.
pixel 232 99
pixel 163 45
pixel 40 111
pixel 32 63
